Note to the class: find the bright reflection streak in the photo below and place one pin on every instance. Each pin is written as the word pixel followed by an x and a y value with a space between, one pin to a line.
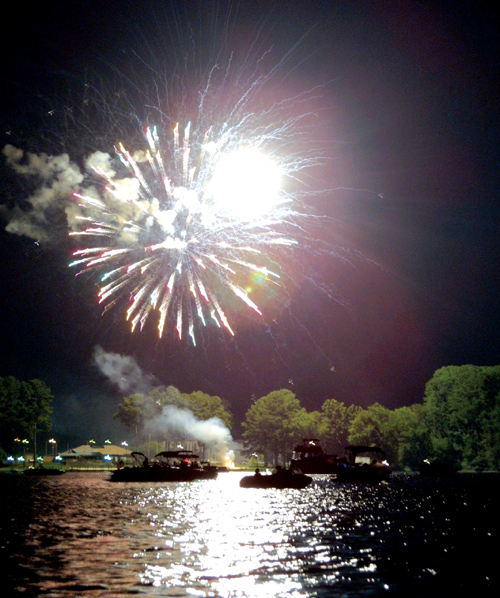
pixel 226 538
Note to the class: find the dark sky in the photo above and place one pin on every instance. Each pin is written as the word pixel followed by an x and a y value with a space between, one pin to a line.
pixel 409 101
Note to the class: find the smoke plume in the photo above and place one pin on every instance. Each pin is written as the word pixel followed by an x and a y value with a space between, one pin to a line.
pixel 123 371
pixel 126 374
pixel 211 432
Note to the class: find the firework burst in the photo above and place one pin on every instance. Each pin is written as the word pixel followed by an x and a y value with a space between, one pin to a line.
pixel 182 223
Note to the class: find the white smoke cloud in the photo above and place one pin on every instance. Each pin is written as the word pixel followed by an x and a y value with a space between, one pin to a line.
pixel 59 177
pixel 211 431
pixel 126 190
pixel 123 371
pixel 33 226
pixel 102 161
pixel 41 165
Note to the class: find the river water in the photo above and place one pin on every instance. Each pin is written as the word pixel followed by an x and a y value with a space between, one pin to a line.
pixel 81 535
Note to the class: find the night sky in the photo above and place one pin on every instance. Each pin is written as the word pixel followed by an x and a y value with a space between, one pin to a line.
pixel 409 102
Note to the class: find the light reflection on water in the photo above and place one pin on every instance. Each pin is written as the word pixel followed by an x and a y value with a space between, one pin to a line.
pixel 80 534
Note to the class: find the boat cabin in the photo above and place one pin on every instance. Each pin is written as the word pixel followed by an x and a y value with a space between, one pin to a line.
pixel 364 455
pixel 310 447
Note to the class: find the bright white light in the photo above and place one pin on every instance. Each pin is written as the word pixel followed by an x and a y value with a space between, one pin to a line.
pixel 246 184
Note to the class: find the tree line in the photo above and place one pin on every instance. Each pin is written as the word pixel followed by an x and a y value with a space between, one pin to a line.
pixel 457 422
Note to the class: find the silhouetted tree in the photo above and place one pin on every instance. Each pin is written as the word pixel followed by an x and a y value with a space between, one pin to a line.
pixel 307 424
pixel 405 436
pixel 10 421
pixel 461 404
pixel 336 419
pixel 204 406
pixel 271 424
pixel 35 399
pixel 25 409
pixel 131 413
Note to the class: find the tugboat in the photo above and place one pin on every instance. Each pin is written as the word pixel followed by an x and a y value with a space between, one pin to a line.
pixel 310 457
pixel 364 464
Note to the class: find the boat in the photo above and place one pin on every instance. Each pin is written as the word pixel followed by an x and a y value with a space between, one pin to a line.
pixel 310 457
pixel 167 466
pixel 438 469
pixel 210 469
pixel 43 471
pixel 280 478
pixel 364 464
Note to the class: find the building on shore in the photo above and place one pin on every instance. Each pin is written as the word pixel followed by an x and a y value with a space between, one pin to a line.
pixel 85 452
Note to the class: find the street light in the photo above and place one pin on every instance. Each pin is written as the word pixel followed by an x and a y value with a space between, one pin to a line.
pixel 53 443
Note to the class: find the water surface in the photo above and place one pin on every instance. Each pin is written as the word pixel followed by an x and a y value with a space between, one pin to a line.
pixel 81 535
